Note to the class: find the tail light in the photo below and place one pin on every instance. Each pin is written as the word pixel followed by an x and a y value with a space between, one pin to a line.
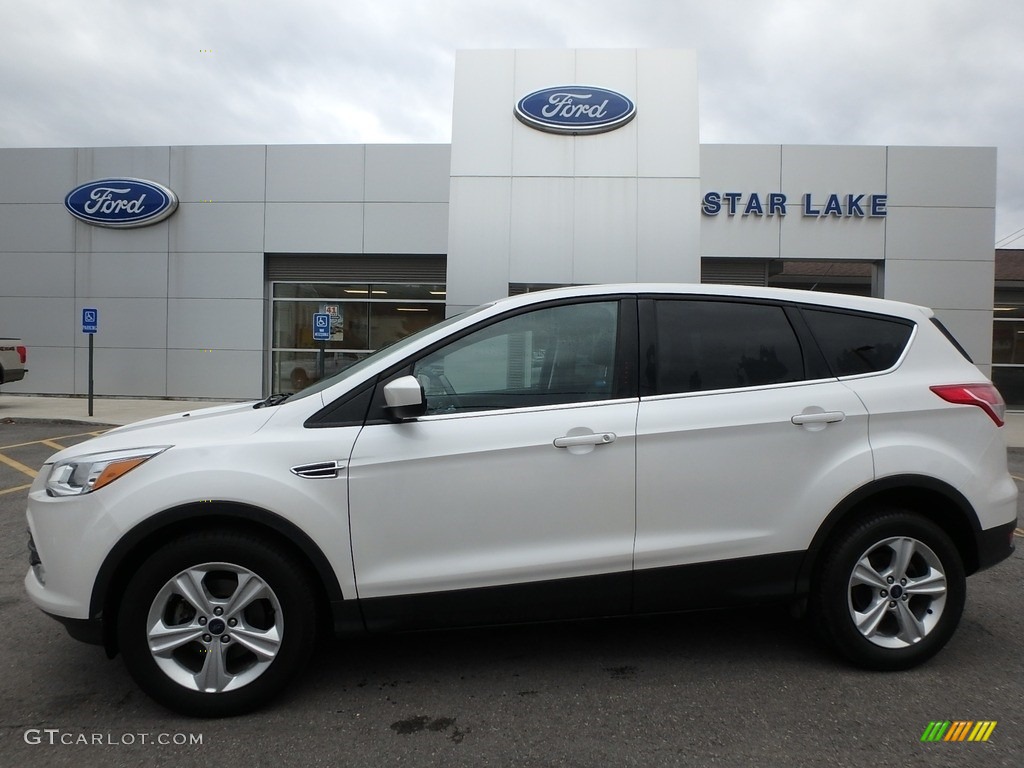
pixel 984 396
pixel 22 353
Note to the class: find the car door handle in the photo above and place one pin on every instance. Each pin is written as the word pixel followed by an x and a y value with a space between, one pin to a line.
pixel 570 441
pixel 823 417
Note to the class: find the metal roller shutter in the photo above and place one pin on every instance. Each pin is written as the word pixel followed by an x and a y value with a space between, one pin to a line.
pixel 359 268
pixel 734 271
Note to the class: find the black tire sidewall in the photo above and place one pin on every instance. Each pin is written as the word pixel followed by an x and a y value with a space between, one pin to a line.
pixel 831 599
pixel 284 576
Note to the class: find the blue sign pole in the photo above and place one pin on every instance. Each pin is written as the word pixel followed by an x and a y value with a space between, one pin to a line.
pixel 90 326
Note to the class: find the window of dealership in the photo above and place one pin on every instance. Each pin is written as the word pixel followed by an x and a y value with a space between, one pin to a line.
pixel 1008 326
pixel 372 301
pixel 364 317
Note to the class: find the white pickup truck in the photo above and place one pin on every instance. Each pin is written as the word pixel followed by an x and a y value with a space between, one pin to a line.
pixel 12 360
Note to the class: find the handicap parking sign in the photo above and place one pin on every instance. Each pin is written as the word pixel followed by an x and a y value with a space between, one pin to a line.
pixel 90 320
pixel 321 326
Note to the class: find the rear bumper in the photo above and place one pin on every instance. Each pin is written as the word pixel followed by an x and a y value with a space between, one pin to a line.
pixel 995 544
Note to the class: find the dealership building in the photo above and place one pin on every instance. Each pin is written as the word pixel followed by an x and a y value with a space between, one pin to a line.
pixel 207 266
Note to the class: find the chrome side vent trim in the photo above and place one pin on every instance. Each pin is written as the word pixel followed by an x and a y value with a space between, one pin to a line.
pixel 319 469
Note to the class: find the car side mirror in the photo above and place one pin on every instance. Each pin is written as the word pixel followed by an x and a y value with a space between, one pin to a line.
pixel 404 398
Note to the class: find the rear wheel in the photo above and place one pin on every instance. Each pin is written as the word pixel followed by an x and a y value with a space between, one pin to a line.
pixel 216 623
pixel 891 591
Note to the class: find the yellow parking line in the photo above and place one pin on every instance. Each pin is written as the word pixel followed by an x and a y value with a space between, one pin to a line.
pixel 15 489
pixel 17 465
pixel 51 444
pixel 48 440
pixel 1018 479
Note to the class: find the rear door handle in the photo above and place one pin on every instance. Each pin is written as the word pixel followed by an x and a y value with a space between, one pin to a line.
pixel 823 417
pixel 571 441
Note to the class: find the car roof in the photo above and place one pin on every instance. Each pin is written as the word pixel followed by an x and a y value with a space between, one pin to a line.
pixel 820 298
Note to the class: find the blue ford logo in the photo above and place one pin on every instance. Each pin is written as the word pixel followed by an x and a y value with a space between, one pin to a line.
pixel 575 109
pixel 121 202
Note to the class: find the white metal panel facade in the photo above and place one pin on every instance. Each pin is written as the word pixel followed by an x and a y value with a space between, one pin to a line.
pixel 183 303
pixel 574 201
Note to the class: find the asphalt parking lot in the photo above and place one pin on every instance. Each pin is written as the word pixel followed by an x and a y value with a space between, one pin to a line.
pixel 730 688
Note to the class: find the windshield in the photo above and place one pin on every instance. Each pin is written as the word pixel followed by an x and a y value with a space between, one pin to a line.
pixel 357 367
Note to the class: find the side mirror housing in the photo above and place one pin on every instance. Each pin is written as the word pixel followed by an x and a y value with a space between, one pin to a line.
pixel 404 398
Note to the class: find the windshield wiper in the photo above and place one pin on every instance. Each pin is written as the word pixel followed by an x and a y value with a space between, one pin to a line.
pixel 276 399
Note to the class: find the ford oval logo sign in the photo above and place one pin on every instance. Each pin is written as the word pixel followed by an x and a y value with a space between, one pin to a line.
pixel 575 109
pixel 121 202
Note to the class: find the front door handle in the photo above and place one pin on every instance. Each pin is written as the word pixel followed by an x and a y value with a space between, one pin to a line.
pixel 822 417
pixel 572 441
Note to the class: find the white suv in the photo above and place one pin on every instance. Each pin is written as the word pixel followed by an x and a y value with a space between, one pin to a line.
pixel 579 452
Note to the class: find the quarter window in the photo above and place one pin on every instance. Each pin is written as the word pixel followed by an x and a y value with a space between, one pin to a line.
pixel 708 345
pixel 563 354
pixel 855 344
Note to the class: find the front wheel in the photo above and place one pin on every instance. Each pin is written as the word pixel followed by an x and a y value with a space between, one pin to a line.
pixel 216 623
pixel 891 591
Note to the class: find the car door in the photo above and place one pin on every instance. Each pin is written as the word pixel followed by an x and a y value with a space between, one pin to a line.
pixel 513 496
pixel 745 443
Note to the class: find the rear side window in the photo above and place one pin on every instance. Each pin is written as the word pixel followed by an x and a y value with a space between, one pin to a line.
pixel 855 344
pixel 708 345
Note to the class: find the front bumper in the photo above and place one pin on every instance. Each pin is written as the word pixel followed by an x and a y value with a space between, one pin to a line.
pixel 68 539
pixel 84 630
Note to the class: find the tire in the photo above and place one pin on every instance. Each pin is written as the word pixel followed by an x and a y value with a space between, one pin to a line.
pixel 216 623
pixel 891 591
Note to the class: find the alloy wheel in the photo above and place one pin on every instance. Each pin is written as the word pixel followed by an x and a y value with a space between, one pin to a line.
pixel 897 592
pixel 214 627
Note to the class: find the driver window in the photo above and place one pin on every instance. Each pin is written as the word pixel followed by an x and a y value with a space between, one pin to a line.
pixel 563 354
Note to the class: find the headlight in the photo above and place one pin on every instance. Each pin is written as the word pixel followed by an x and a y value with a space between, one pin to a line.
pixel 88 473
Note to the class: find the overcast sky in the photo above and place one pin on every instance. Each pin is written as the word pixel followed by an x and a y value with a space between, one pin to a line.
pixel 159 72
